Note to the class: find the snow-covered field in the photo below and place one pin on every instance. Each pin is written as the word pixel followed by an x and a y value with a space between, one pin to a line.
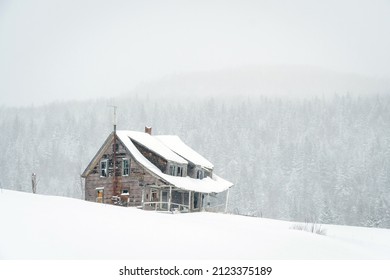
pixel 48 227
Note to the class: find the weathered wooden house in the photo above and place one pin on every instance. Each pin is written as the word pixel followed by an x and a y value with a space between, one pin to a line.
pixel 153 172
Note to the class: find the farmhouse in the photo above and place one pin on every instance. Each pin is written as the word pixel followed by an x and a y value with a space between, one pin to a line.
pixel 153 172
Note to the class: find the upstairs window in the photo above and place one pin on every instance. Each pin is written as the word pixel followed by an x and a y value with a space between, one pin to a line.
pixel 172 170
pixel 125 167
pixel 115 147
pixel 176 170
pixel 104 168
pixel 180 171
pixel 200 174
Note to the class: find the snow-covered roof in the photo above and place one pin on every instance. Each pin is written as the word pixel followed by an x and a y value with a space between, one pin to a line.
pixel 154 145
pixel 174 143
pixel 206 185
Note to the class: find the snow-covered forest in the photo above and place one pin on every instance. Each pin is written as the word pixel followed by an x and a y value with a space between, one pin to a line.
pixel 323 160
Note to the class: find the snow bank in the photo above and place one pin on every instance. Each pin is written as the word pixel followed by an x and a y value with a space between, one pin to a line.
pixel 47 227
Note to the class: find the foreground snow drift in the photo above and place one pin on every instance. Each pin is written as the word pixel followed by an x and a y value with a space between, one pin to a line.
pixel 47 227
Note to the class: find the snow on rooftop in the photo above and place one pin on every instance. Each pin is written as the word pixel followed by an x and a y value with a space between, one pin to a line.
pixel 154 145
pixel 174 143
pixel 206 185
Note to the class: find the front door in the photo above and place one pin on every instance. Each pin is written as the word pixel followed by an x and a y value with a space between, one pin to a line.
pixel 99 196
pixel 154 198
pixel 196 200
pixel 164 200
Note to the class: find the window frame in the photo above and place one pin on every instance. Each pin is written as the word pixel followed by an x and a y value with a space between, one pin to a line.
pixel 105 161
pixel 123 166
pixel 179 171
pixel 125 191
pixel 200 174
pixel 172 169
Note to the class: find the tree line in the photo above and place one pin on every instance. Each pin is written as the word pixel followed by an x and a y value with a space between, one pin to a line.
pixel 325 160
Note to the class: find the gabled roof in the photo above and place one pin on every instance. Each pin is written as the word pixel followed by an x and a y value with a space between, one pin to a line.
pixel 98 156
pixel 151 143
pixel 174 143
pixel 207 185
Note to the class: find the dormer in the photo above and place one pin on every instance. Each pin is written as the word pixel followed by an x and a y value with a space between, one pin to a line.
pixel 198 167
pixel 157 153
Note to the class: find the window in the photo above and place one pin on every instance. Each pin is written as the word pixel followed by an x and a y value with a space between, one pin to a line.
pixel 125 167
pixel 180 171
pixel 172 170
pixel 103 168
pixel 116 147
pixel 125 192
pixel 176 170
pixel 200 174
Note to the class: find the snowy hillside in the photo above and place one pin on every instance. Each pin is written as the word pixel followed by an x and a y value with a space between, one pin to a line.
pixel 48 227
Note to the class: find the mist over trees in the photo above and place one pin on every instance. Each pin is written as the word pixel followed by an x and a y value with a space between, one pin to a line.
pixel 315 159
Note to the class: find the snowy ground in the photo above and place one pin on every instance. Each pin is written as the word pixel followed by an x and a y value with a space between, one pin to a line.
pixel 47 227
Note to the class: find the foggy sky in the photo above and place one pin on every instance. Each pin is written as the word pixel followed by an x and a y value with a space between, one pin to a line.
pixel 61 50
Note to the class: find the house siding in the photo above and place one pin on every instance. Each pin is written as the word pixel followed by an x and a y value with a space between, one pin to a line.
pixel 137 178
pixel 140 182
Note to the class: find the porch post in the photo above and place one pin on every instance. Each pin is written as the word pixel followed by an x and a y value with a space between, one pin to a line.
pixel 161 191
pixel 189 201
pixel 143 195
pixel 227 200
pixel 169 199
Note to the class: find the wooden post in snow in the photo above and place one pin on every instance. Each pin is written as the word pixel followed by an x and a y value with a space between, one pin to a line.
pixel 34 182
pixel 227 200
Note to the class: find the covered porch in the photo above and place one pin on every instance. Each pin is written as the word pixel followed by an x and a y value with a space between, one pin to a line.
pixel 172 199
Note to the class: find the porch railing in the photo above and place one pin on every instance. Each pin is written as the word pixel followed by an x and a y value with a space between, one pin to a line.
pixel 177 207
pixel 163 206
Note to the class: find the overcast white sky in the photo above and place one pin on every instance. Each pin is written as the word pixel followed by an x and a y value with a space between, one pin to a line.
pixel 60 50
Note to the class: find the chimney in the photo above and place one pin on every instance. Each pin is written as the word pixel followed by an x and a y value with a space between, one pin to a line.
pixel 148 130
